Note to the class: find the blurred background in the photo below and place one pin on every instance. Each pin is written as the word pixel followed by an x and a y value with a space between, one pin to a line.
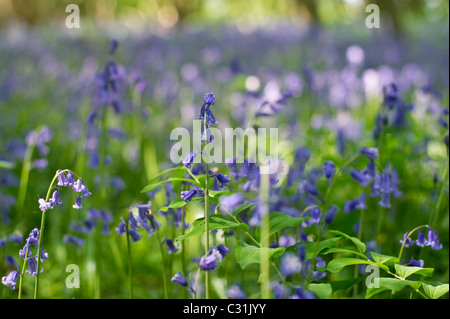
pixel 397 15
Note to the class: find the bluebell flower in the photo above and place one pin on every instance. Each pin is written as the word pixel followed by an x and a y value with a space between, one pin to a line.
pixel 355 204
pixel 235 292
pixel 43 205
pixel 11 279
pixel 433 240
pixel 188 195
pixel 420 242
pixel 187 162
pixel 223 180
pixel 416 263
pixel 32 267
pixel 212 260
pixel 179 279
pixel 329 168
pixel 390 95
pixel 134 235
pixel 85 192
pixel 223 250
pixel 361 177
pixel 290 265
pixel 407 242
pixel 370 152
pixel 171 248
pixel 231 202
pixel 77 204
pixel 77 185
pixel 299 293
pixel 73 240
pixel 122 228
pixel 55 200
pixel 329 217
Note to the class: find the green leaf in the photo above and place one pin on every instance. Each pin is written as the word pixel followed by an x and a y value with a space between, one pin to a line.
pixel 241 208
pixel 392 284
pixel 406 271
pixel 173 169
pixel 383 259
pixel 435 292
pixel 6 164
pixel 342 250
pixel 359 244
pixel 215 222
pixel 174 204
pixel 218 193
pixel 345 284
pixel 246 254
pixel 313 249
pixel 152 187
pixel 335 265
pixel 279 221
pixel 322 290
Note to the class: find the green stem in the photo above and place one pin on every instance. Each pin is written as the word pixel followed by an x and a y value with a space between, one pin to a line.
pixel 130 265
pixel 207 275
pixel 22 272
pixel 163 258
pixel 435 216
pixel 338 173
pixel 24 175
pixel 265 230
pixel 360 234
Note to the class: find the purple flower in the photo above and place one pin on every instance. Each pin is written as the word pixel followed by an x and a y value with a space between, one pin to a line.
pixel 77 204
pixel 407 242
pixel 188 195
pixel 74 240
pixel 236 292
pixel 223 180
pixel 302 294
pixel 55 200
pixel 43 205
pixel 187 162
pixel 370 152
pixel 212 259
pixel 290 265
pixel 11 279
pixel 223 250
pixel 179 279
pixel 330 214
pixel 84 192
pixel 32 267
pixel 171 247
pixel 415 263
pixel 421 242
pixel 329 168
pixel 122 228
pixel 390 95
pixel 231 202
pixel 362 178
pixel 77 185
pixel 433 240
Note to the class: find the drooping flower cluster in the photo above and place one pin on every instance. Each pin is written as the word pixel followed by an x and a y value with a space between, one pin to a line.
pixel 292 264
pixel 432 240
pixel 26 254
pixel 208 101
pixel 65 181
pixel 144 219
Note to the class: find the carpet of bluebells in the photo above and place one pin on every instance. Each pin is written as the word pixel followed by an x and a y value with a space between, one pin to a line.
pixel 91 206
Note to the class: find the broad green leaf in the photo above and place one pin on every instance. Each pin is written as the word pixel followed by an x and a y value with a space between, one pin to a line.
pixel 342 250
pixel 335 265
pixel 241 208
pixel 174 204
pixel 246 254
pixel 383 259
pixel 215 222
pixel 313 248
pixel 218 193
pixel 345 284
pixel 435 292
pixel 279 221
pixel 359 244
pixel 152 187
pixel 173 169
pixel 178 173
pixel 322 290
pixel 392 284
pixel 406 271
